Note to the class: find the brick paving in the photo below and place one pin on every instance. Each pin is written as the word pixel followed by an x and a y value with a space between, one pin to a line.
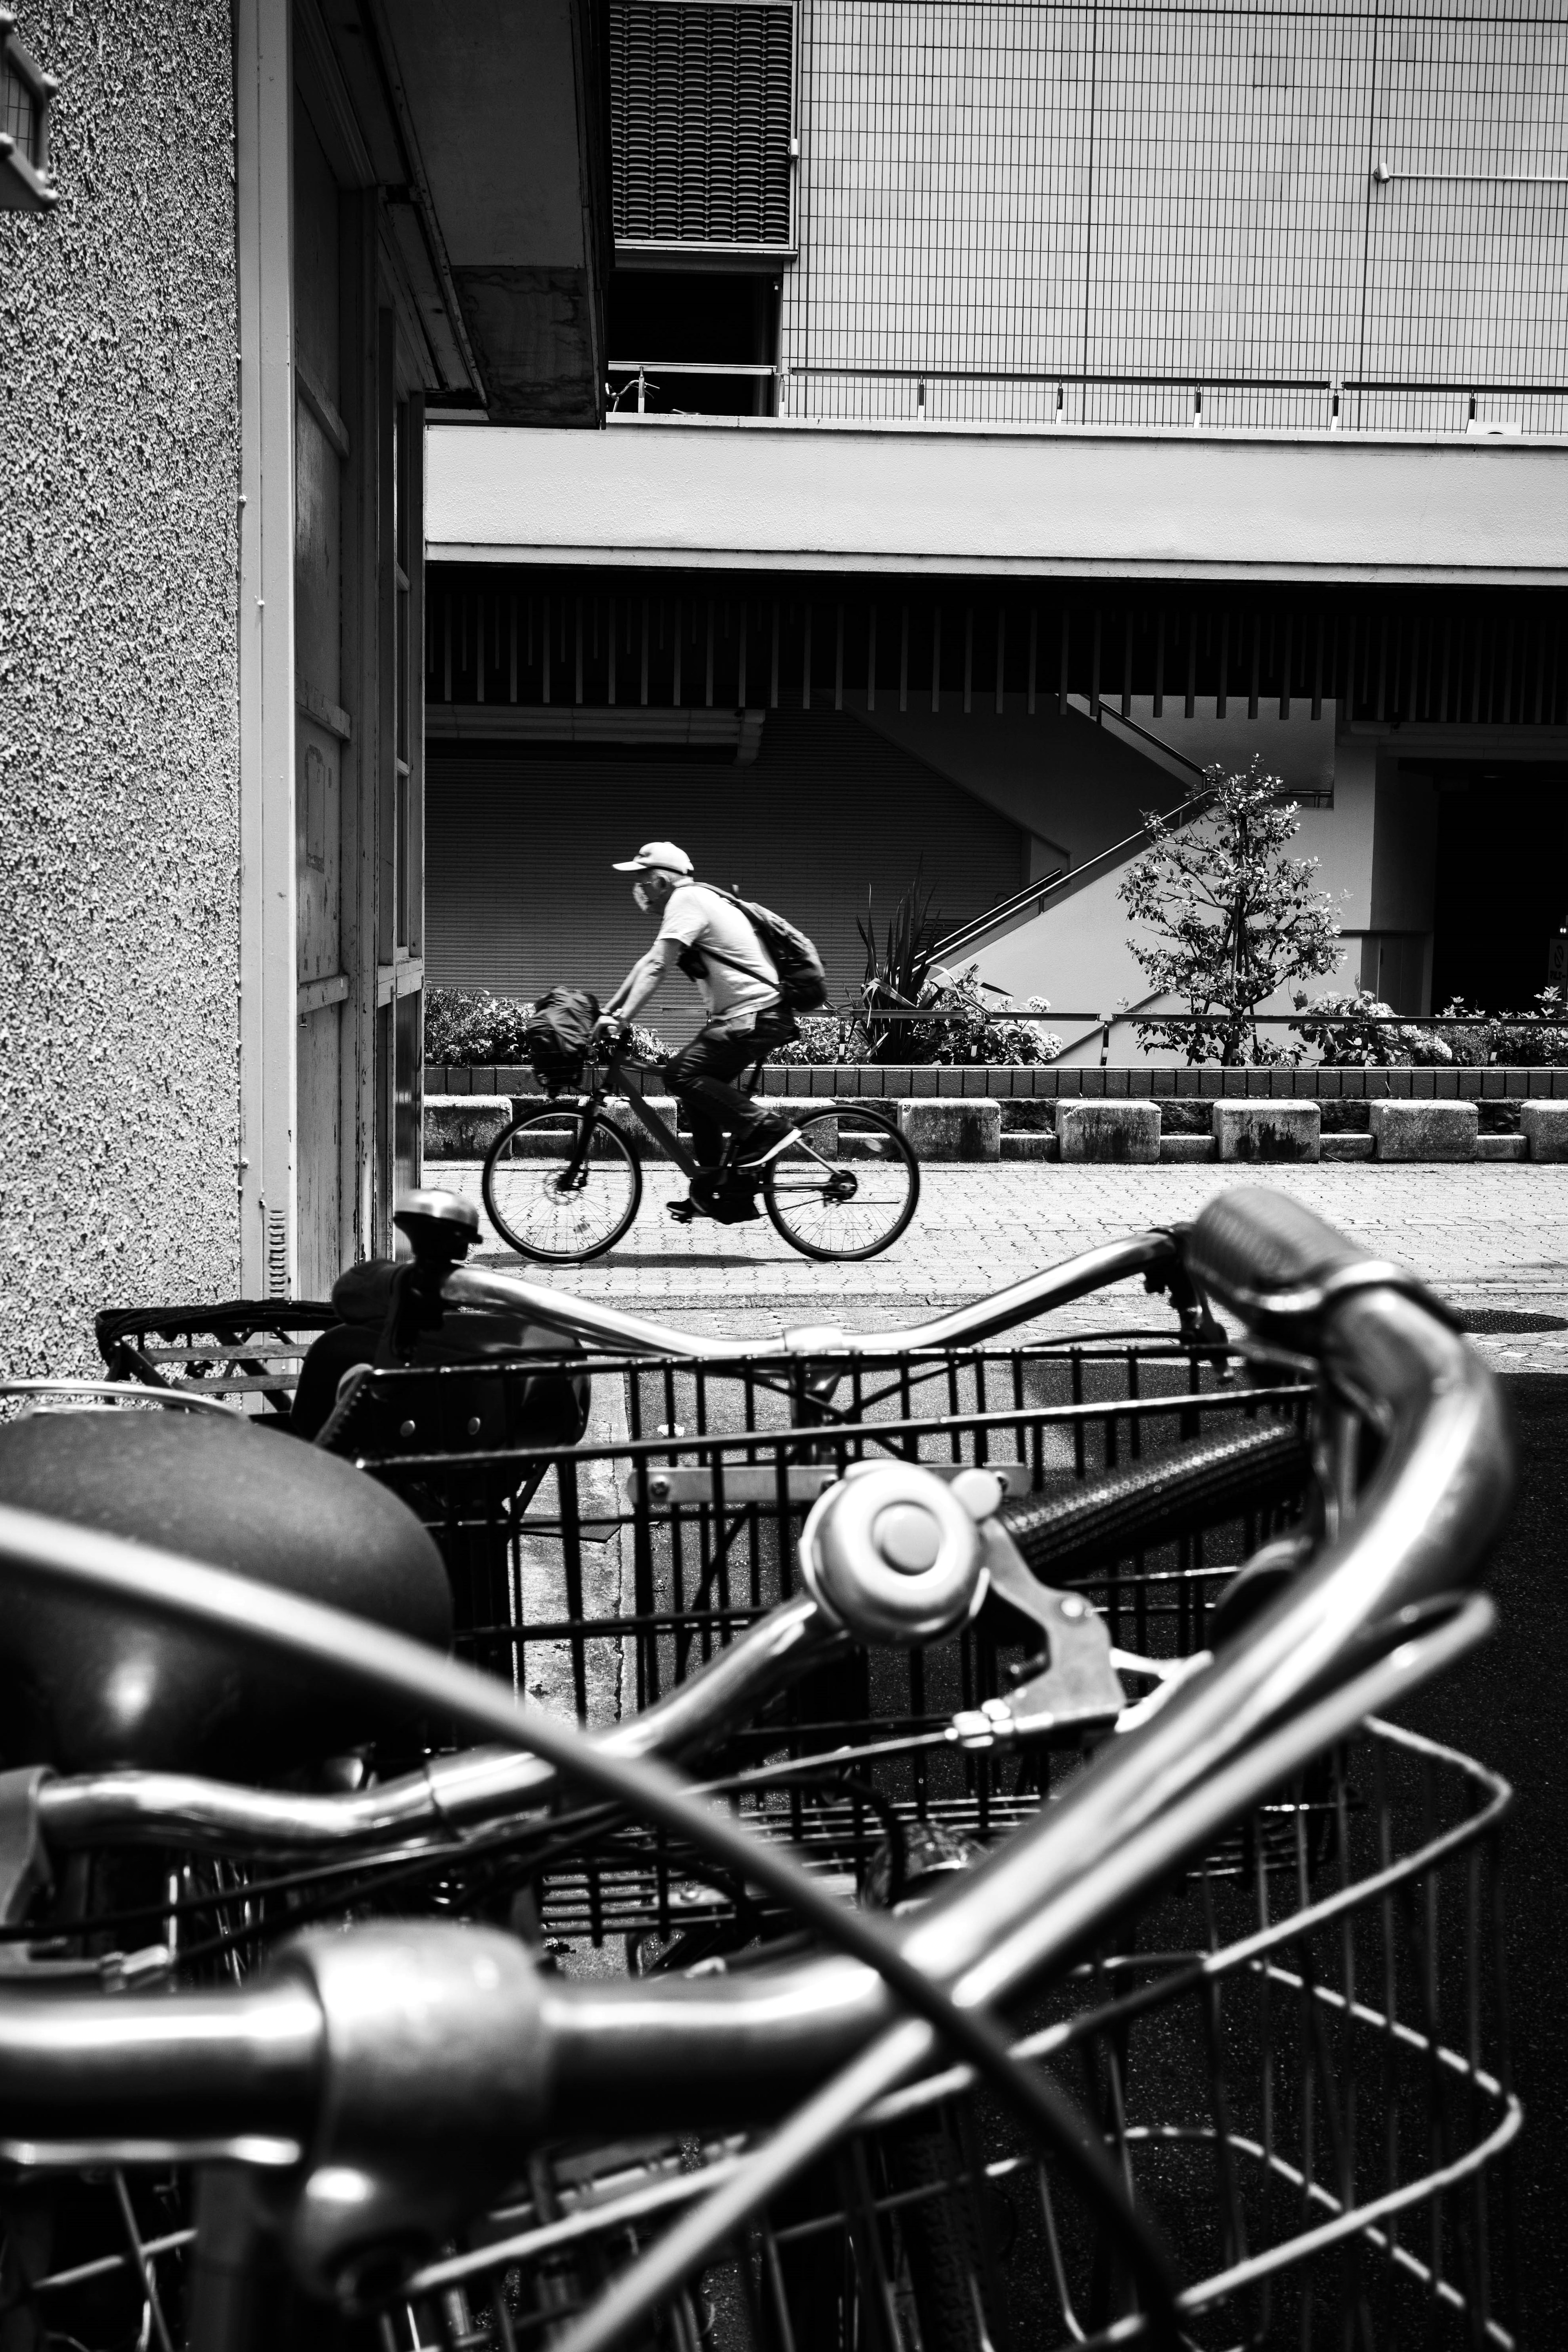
pixel 1488 1237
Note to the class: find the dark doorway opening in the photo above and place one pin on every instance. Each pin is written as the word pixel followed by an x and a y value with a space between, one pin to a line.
pixel 1502 880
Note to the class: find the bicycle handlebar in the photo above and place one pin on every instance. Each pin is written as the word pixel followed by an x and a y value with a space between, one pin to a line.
pixel 610 1329
pixel 853 1591
pixel 449 1793
pixel 1333 1643
pixel 1055 1536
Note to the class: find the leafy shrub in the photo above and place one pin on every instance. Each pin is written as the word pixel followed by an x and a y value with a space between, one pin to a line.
pixel 825 1038
pixel 1488 1039
pixel 467 1026
pixel 1462 1035
pixel 979 1027
pixel 1363 1039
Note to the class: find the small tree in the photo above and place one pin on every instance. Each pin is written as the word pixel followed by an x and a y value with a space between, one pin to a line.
pixel 1235 918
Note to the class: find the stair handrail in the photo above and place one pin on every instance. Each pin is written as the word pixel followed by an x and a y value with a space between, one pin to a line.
pixel 1185 814
pixel 955 942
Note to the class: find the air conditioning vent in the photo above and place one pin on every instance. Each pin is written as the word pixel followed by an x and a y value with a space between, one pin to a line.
pixel 700 103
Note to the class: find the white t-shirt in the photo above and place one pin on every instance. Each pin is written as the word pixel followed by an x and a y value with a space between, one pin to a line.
pixel 745 982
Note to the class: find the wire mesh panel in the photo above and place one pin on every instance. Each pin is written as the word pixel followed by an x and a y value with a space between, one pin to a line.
pixel 598 1578
pixel 1296 2051
pixel 1182 216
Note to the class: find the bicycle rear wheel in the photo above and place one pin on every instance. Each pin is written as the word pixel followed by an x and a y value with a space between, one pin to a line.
pixel 846 1187
pixel 553 1203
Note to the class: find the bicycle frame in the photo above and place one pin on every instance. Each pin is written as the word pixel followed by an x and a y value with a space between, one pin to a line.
pixel 665 1137
pixel 590 1104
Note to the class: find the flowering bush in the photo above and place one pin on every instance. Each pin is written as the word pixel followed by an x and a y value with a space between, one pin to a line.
pixel 977 1026
pixel 825 1038
pixel 465 1026
pixel 1483 1039
pixel 1363 1038
pixel 980 1025
pixel 1464 1036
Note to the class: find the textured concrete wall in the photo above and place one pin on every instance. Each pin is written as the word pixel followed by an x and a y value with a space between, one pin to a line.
pixel 119 752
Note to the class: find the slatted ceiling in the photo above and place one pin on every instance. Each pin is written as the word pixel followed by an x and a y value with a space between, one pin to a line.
pixel 519 891
pixel 1493 656
pixel 700 122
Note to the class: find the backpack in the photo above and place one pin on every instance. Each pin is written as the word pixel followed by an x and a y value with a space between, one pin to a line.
pixel 803 983
pixel 559 1032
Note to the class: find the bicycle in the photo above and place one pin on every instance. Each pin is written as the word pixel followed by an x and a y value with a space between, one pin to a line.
pixel 1230 1915
pixel 562 1184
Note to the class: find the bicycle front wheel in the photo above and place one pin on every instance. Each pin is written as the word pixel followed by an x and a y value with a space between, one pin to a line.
pixel 846 1187
pixel 550 1200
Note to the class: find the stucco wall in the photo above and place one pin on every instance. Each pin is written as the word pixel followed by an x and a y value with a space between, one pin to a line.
pixel 119 764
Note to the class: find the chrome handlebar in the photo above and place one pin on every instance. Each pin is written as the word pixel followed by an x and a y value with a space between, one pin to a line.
pixel 611 1329
pixel 890 1556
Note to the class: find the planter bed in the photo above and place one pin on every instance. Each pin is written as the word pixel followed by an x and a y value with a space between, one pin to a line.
pixel 1017 1084
pixel 1173 1131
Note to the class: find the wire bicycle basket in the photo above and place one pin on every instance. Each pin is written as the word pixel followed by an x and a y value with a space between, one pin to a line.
pixel 1291 2034
pixel 1300 2068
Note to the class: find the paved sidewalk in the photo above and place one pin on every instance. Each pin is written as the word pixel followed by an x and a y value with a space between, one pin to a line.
pixel 1491 1238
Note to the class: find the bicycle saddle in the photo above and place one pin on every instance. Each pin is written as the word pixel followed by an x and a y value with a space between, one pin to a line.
pixel 84 1687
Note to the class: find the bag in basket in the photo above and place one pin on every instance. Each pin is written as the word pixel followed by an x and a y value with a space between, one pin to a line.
pixel 558 1034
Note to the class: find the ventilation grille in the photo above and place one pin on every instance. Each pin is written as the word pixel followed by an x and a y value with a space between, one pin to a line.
pixel 276 1254
pixel 701 118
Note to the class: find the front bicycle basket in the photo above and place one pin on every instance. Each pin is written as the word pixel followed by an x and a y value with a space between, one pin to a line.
pixel 1302 2074
pixel 243 1350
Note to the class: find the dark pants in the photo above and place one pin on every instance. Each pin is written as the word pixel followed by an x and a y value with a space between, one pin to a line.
pixel 700 1072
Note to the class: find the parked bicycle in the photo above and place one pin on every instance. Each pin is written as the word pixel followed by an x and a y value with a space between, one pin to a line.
pixel 1250 1931
pixel 562 1183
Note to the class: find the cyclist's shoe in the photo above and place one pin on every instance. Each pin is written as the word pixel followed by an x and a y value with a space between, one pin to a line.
pixel 759 1142
pixel 687 1212
pixel 725 1194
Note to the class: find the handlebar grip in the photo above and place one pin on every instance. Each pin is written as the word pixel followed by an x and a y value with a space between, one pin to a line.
pixel 1068 1534
pixel 1256 1247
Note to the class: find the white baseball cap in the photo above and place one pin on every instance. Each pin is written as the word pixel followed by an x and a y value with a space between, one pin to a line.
pixel 663 854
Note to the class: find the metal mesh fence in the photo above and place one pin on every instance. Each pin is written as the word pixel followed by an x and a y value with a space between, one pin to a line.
pixel 1180 216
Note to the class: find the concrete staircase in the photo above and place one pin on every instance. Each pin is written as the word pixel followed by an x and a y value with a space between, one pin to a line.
pixel 1065 937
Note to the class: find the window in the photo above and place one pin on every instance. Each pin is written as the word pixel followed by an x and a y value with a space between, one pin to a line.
pixel 26 184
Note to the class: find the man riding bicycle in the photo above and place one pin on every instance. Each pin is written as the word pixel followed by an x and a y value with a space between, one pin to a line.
pixel 707 937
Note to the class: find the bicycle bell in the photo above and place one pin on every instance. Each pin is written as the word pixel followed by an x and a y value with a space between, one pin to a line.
pixel 891 1553
pixel 441 1227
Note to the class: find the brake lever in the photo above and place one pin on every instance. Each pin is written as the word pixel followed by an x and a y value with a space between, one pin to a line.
pixel 1077 1693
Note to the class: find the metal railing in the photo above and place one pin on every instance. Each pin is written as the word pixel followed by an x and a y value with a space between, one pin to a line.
pixel 1335 403
pixel 1149 1014
pixel 1446 406
pixel 1037 895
